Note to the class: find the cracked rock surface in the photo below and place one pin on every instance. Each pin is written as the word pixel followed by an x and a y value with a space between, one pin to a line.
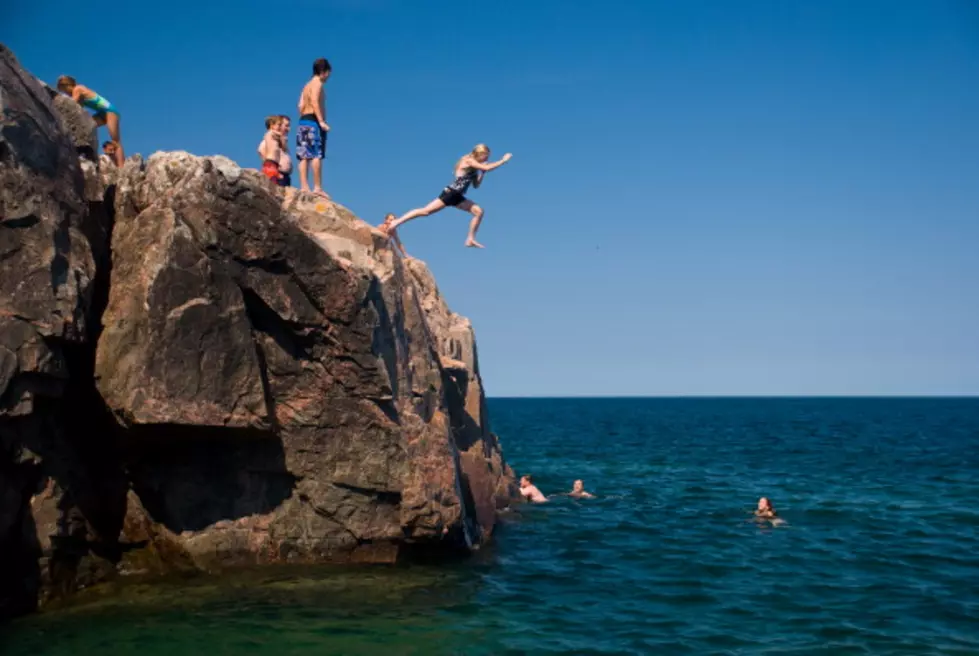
pixel 199 370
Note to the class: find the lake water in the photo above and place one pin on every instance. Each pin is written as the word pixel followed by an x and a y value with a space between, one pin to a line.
pixel 879 553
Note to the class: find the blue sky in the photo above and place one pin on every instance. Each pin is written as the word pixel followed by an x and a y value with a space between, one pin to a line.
pixel 706 197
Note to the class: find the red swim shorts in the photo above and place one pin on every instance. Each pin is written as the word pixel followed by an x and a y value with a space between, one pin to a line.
pixel 271 170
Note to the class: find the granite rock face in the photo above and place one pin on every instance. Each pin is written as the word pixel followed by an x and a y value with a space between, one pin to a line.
pixel 200 370
pixel 51 484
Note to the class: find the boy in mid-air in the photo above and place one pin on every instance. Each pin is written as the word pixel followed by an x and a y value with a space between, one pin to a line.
pixel 271 149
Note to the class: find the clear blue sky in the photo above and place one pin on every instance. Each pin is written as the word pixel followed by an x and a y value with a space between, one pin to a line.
pixel 706 197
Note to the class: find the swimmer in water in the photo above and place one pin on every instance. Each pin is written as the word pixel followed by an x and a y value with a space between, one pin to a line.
pixel 766 510
pixel 578 491
pixel 529 491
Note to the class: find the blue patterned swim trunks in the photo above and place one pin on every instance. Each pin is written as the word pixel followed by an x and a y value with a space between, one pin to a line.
pixel 310 140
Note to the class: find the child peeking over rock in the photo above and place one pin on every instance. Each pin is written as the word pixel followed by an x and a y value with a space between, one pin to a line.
pixel 105 112
pixel 392 234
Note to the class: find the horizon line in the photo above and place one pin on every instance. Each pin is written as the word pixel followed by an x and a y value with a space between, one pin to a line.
pixel 736 396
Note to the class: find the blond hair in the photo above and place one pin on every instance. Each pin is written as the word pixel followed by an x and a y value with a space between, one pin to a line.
pixel 478 149
pixel 275 119
pixel 66 83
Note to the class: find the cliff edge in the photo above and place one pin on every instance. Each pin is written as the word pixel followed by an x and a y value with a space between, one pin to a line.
pixel 200 370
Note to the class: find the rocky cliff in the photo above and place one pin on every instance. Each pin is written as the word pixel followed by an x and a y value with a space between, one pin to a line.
pixel 200 370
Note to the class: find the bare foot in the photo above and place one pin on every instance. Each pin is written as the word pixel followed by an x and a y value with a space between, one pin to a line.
pixel 472 243
pixel 320 192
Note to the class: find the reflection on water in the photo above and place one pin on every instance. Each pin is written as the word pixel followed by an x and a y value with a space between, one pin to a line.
pixel 281 609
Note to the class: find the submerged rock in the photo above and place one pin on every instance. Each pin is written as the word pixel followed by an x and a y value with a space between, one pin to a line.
pixel 220 373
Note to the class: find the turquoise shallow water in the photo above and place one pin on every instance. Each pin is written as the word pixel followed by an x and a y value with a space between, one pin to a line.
pixel 880 554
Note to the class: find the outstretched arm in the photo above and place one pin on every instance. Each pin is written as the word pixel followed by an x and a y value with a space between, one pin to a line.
pixel 481 166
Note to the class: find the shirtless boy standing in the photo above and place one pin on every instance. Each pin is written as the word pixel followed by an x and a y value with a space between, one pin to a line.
pixel 280 175
pixel 312 128
pixel 271 149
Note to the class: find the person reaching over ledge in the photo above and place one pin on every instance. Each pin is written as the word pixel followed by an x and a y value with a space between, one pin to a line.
pixel 469 170
pixel 385 227
pixel 109 152
pixel 105 112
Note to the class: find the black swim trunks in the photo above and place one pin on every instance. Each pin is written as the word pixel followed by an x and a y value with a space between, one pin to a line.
pixel 455 192
pixel 451 197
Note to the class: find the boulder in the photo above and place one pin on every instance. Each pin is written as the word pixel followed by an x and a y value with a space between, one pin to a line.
pixel 200 370
pixel 77 123
pixel 278 378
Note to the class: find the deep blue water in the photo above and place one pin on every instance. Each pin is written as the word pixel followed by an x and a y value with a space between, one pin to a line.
pixel 879 555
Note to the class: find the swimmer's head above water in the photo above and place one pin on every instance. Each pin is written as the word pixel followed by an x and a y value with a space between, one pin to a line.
pixel 578 489
pixel 765 508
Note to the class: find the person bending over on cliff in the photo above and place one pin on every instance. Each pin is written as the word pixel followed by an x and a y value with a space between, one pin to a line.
pixel 312 129
pixel 392 234
pixel 469 170
pixel 271 149
pixel 578 491
pixel 529 491
pixel 105 112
